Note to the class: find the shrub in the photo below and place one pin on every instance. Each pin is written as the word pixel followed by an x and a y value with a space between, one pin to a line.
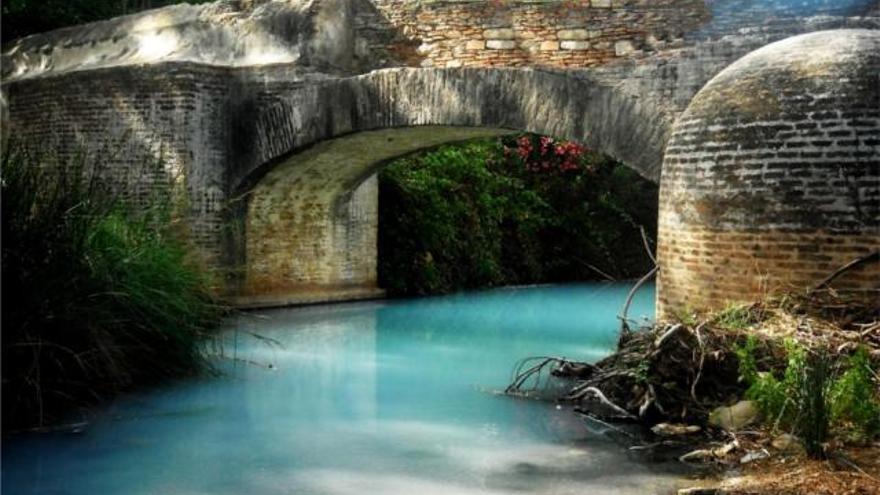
pixel 99 293
pixel 811 398
pixel 516 210
pixel 854 398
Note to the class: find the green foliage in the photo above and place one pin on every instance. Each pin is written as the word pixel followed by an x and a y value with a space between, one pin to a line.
pixel 735 317
pixel 480 215
pixel 763 386
pixel 809 399
pixel 854 398
pixel 444 218
pixel 99 294
pixel 24 17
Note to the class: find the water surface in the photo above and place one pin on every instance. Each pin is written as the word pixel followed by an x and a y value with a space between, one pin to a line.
pixel 366 398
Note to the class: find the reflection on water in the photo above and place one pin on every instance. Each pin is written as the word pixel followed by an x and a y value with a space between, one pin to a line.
pixel 385 398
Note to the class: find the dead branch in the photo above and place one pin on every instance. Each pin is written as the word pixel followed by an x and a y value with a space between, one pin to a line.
pixel 629 298
pixel 868 258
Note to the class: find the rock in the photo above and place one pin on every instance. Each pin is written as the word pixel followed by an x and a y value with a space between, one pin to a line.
pixel 788 444
pixel 674 429
pixel 755 455
pixel 703 455
pixel 735 417
pixel 698 456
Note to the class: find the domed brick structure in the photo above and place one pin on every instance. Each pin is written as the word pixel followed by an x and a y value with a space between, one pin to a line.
pixel 771 179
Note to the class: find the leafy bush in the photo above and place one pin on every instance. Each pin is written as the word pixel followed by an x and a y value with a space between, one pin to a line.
pixel 518 210
pixel 99 293
pixel 854 398
pixel 811 398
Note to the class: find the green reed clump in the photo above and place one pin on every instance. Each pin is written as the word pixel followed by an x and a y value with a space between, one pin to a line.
pixel 855 398
pixel 99 292
pixel 816 394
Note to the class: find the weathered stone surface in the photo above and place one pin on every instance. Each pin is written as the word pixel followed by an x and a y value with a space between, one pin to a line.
pixel 772 177
pixel 623 48
pixel 575 45
pixel 573 34
pixel 499 34
pixel 500 44
pixel 312 220
pixel 735 417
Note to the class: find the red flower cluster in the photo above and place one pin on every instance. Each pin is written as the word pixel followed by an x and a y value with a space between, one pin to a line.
pixel 548 154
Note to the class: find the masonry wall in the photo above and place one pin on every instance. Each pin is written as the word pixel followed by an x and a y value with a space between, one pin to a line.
pixel 771 179
pixel 146 127
pixel 543 33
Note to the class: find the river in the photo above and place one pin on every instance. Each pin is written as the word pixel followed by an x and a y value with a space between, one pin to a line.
pixel 389 397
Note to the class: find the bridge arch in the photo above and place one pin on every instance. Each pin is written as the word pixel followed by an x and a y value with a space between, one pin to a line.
pixel 566 104
pixel 309 218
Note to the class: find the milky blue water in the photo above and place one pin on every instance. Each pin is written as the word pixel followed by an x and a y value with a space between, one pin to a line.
pixel 366 398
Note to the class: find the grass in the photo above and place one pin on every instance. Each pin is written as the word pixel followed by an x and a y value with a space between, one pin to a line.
pixel 101 293
pixel 816 394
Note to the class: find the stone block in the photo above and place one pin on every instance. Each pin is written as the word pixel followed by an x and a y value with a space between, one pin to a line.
pixel 600 4
pixel 624 47
pixel 573 34
pixel 499 34
pixel 475 45
pixel 575 45
pixel 500 44
pixel 549 46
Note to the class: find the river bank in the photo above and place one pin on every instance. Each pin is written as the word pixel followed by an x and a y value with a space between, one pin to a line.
pixel 776 397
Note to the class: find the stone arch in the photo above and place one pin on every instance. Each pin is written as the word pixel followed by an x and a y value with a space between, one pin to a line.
pixel 310 217
pixel 292 116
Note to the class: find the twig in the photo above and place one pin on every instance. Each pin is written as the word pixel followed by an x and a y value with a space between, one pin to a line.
pixel 268 340
pixel 846 461
pixel 595 269
pixel 606 424
pixel 868 258
pixel 662 338
pixel 520 377
pixel 631 295
pixel 702 360
pixel 647 245
pixel 604 400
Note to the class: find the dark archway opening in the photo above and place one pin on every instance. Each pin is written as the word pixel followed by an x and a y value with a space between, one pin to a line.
pixel 510 210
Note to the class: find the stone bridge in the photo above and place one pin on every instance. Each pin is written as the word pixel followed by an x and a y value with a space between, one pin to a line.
pixel 277 114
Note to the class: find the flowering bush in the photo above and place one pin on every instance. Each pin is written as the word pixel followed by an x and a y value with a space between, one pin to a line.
pixel 516 210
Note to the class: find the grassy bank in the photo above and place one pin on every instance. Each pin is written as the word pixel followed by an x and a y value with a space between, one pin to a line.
pixel 517 210
pixel 99 293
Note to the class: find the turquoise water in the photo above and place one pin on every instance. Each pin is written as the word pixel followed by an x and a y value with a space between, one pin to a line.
pixel 365 398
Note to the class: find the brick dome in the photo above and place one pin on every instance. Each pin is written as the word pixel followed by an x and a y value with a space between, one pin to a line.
pixel 771 179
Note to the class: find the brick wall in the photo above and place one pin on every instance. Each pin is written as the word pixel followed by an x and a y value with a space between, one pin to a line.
pixel 771 178
pixel 129 119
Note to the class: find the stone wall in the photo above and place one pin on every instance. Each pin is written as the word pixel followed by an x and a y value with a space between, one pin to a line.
pixel 145 126
pixel 544 33
pixel 771 179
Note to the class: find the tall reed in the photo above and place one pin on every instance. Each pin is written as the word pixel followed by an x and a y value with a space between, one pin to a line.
pixel 100 291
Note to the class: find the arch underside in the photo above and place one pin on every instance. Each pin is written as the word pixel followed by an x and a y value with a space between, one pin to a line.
pixel 311 222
